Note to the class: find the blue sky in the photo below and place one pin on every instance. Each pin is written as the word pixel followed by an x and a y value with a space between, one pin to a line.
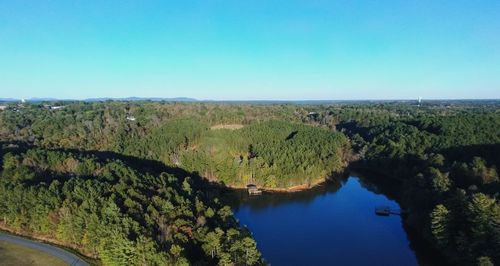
pixel 259 49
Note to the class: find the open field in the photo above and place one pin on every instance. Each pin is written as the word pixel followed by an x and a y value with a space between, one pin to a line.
pixel 17 255
pixel 230 126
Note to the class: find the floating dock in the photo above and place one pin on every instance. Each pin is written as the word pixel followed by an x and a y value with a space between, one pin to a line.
pixel 383 211
pixel 386 211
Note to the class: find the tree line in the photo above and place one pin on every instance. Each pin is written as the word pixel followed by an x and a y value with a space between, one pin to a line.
pixel 446 164
pixel 119 214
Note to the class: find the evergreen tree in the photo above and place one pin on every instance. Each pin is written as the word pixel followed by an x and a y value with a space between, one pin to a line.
pixel 439 225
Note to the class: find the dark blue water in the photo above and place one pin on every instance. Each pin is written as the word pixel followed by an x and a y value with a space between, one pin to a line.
pixel 331 225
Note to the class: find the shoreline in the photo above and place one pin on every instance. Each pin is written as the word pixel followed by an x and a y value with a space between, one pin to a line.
pixel 296 188
pixel 292 189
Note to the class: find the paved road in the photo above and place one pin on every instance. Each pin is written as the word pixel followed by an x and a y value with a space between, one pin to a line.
pixel 62 254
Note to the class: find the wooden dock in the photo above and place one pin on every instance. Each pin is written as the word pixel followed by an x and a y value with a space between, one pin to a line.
pixel 386 211
pixel 383 211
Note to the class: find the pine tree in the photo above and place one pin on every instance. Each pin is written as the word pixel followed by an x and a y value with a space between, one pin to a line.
pixel 440 182
pixel 484 261
pixel 439 225
pixel 480 215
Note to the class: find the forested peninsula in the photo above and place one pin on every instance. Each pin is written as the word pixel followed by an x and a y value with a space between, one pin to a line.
pixel 140 182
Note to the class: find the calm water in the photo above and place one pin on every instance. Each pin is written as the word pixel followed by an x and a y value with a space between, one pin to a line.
pixel 334 224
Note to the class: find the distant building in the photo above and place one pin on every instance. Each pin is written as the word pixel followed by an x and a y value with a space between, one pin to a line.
pixel 130 118
pixel 313 115
pixel 3 107
pixel 53 107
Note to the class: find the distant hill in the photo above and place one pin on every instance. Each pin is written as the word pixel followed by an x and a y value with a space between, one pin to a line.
pixel 154 99
pixel 37 100
pixel 34 100
pixel 265 102
pixel 9 100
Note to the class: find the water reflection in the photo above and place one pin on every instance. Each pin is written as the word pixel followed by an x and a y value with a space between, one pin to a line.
pixel 266 200
pixel 332 224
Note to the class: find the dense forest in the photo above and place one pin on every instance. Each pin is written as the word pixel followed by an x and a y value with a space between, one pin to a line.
pixel 443 163
pixel 263 149
pixel 152 171
pixel 109 210
pixel 270 154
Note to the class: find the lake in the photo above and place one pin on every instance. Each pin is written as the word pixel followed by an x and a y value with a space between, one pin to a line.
pixel 333 224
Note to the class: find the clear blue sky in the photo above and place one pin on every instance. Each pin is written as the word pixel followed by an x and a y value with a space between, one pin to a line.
pixel 258 49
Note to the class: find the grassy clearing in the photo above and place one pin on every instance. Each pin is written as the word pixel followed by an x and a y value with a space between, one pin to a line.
pixel 230 126
pixel 16 255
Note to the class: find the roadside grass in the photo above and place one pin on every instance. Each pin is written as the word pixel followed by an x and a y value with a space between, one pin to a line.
pixel 16 255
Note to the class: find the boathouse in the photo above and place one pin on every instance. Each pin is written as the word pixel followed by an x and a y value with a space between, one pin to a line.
pixel 253 190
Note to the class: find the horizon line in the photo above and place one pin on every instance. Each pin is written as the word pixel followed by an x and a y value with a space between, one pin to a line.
pixel 190 99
